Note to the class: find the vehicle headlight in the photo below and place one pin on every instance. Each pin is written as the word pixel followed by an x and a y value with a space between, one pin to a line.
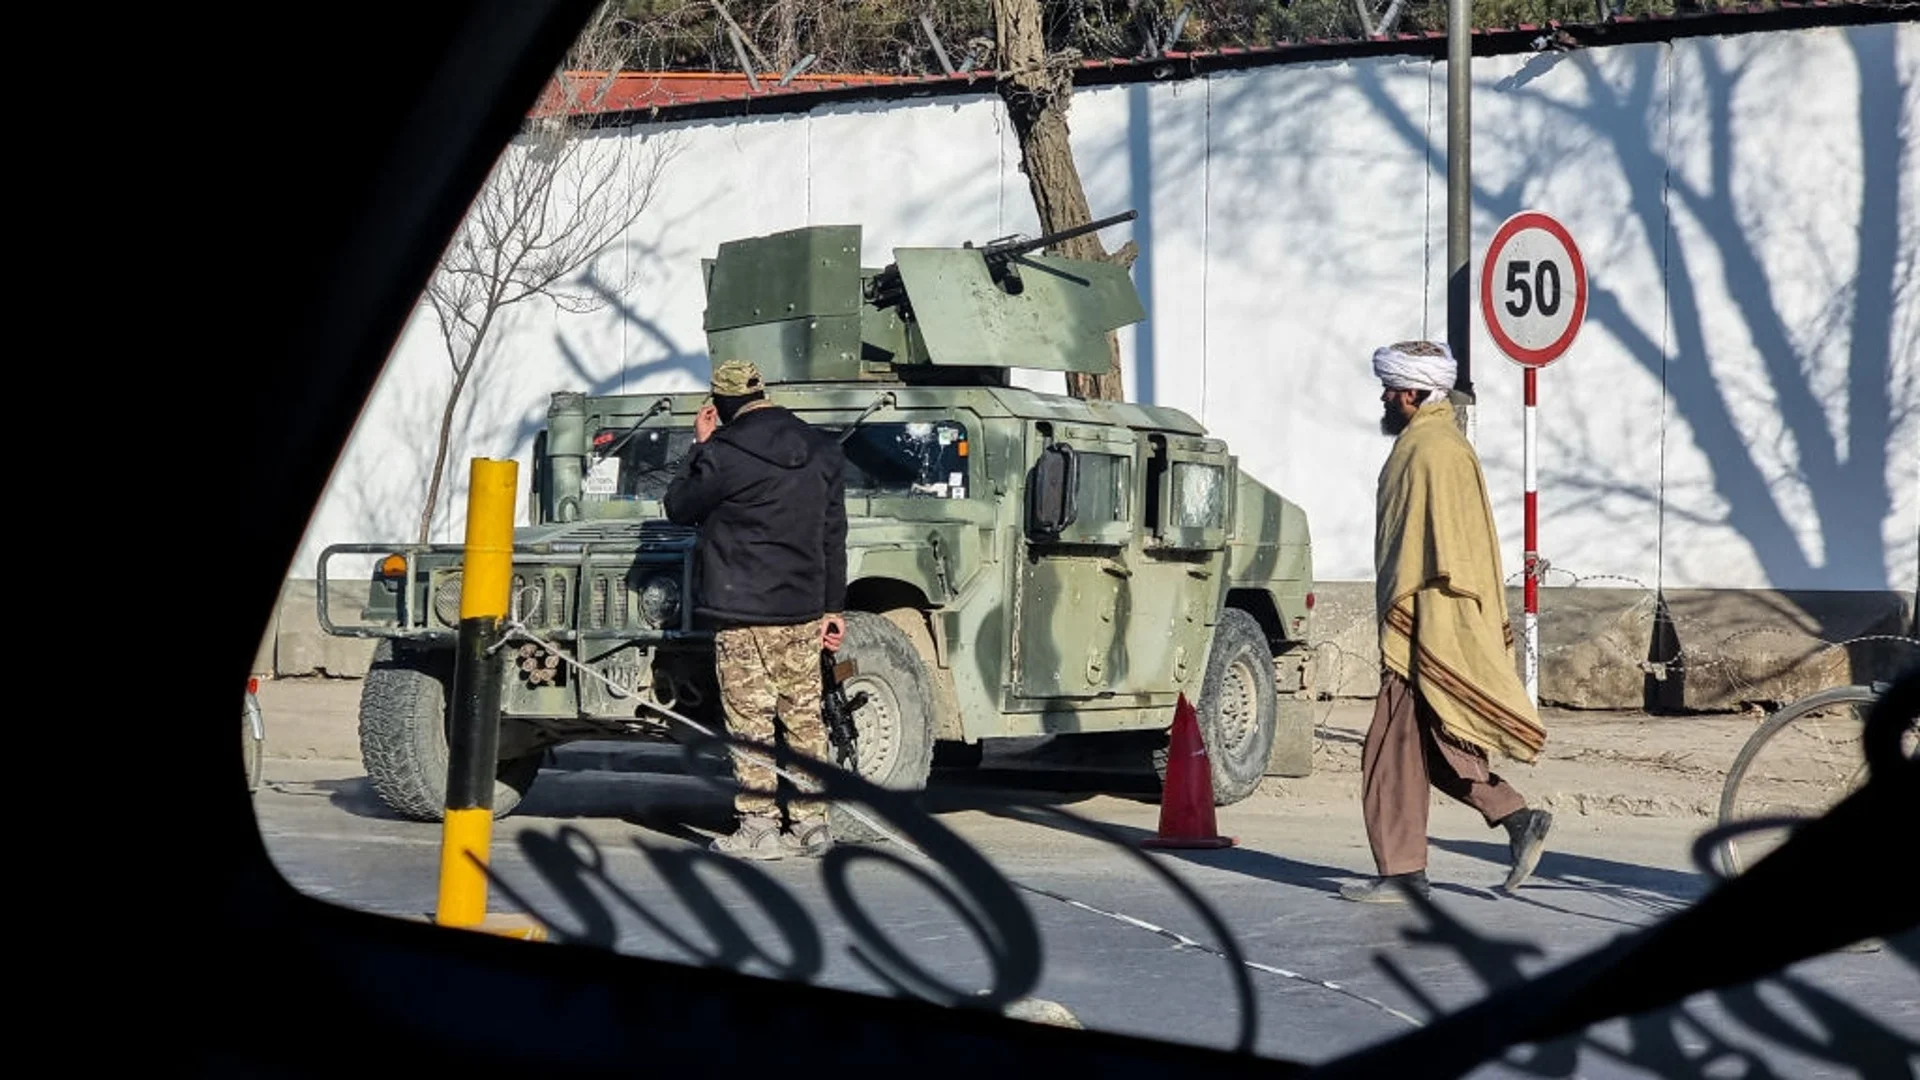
pixel 660 600
pixel 446 599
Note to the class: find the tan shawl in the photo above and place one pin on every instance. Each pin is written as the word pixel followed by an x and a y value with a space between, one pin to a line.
pixel 1438 590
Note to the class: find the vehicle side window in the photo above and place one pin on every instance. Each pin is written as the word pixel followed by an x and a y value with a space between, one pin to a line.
pixel 1199 495
pixel 1103 481
pixel 1189 492
pixel 1105 484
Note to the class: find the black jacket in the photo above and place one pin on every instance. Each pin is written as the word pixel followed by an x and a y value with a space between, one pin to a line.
pixel 768 494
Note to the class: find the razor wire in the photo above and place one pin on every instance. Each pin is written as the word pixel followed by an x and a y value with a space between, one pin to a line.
pixel 1708 660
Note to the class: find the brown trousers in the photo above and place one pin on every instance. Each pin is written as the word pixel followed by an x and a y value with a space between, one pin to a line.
pixel 1405 751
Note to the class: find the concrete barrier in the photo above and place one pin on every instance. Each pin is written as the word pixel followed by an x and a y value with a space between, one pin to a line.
pixel 1692 650
pixel 301 647
pixel 1592 645
pixel 1724 649
pixel 1345 640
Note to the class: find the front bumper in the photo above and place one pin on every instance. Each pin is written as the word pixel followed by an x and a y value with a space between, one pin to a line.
pixel 564 592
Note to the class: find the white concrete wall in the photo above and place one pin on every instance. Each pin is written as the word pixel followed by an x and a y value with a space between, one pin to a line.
pixel 1740 410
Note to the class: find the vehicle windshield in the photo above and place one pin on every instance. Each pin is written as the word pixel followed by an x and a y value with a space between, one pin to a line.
pixel 913 459
pixel 641 467
pixel 927 460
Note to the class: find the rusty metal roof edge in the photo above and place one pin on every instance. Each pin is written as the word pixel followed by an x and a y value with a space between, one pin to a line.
pixel 1177 66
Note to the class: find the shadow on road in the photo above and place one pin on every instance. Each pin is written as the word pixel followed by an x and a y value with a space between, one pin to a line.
pixel 670 802
pixel 987 789
pixel 1238 860
pixel 1651 890
pixel 653 788
pixel 356 797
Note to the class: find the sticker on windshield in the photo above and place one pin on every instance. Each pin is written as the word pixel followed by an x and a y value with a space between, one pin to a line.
pixel 603 478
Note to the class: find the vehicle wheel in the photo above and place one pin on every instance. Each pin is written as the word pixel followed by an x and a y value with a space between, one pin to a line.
pixel 253 737
pixel 895 725
pixel 1804 759
pixel 403 736
pixel 1237 707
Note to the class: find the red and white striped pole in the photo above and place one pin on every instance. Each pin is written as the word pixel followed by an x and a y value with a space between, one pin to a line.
pixel 1523 299
pixel 1531 557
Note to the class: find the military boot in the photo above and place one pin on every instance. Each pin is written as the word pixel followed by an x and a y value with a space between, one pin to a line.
pixel 757 838
pixel 810 838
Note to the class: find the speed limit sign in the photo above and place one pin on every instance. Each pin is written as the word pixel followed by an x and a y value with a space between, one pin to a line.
pixel 1533 294
pixel 1533 289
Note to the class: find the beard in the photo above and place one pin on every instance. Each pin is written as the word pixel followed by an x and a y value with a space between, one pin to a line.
pixel 1392 420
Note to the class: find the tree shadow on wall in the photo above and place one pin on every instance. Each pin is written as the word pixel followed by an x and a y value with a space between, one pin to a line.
pixel 591 377
pixel 1810 440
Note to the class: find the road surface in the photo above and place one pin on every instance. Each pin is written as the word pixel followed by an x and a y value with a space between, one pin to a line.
pixel 608 849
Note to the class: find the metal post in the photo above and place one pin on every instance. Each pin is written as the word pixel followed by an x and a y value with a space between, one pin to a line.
pixel 1460 204
pixel 1530 558
pixel 473 731
pixel 939 51
pixel 740 53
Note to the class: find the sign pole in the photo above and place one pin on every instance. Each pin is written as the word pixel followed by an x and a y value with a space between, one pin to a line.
pixel 1531 556
pixel 1533 295
pixel 1460 205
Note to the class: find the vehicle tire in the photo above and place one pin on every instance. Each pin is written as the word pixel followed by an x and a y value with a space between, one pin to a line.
pixel 895 726
pixel 1813 759
pixel 1237 709
pixel 253 741
pixel 403 736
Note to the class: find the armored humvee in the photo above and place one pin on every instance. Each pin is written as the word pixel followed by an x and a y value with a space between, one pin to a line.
pixel 1019 563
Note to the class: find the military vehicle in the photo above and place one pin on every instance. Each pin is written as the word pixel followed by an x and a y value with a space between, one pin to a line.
pixel 1019 563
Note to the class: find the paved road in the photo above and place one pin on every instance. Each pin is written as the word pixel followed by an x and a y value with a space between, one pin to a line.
pixel 657 894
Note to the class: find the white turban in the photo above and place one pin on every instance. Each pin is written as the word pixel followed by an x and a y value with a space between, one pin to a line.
pixel 1401 370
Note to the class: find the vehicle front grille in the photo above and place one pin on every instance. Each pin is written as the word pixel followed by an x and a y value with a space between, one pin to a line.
pixel 539 600
pixel 611 604
pixel 597 603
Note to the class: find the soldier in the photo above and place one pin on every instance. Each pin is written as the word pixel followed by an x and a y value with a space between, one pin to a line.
pixel 1448 690
pixel 766 492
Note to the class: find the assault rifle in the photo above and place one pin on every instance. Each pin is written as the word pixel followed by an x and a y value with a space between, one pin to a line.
pixel 837 710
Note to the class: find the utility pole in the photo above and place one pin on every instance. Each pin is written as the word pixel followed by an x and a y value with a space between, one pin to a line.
pixel 1460 205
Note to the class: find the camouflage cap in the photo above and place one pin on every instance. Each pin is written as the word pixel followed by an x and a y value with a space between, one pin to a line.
pixel 736 378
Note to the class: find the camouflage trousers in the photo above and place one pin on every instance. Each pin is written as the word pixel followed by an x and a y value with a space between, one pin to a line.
pixel 771 675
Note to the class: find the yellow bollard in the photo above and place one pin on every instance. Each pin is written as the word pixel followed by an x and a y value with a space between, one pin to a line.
pixel 473 736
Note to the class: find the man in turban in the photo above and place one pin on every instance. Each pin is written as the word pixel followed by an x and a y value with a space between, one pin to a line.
pixel 1449 694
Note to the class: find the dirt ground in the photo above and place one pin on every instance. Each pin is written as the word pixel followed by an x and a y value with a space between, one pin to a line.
pixel 1595 763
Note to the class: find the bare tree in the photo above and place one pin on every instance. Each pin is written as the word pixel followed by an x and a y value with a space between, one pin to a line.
pixel 558 197
pixel 1035 85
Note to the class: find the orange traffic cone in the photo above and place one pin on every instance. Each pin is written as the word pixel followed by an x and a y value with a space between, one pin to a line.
pixel 1186 803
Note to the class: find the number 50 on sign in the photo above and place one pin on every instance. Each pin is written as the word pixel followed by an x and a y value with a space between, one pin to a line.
pixel 1533 289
